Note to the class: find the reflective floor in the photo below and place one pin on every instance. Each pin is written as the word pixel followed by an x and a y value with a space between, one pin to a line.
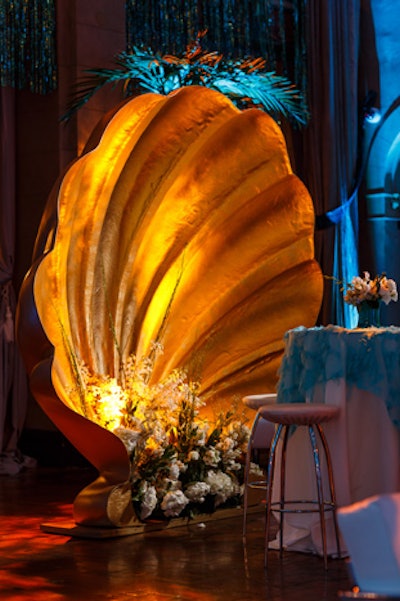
pixel 190 563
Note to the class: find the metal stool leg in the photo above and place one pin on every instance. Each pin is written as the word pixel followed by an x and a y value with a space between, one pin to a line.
pixel 320 491
pixel 247 472
pixel 331 485
pixel 282 489
pixel 270 481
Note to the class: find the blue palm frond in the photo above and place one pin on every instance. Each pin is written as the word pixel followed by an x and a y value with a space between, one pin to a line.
pixel 247 83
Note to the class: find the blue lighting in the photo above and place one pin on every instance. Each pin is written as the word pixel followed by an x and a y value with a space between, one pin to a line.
pixel 373 116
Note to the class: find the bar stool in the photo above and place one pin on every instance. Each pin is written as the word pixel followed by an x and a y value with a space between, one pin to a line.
pixel 311 415
pixel 260 430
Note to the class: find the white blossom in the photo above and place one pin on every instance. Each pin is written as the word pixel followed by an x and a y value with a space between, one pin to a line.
pixel 128 437
pixel 174 503
pixel 388 290
pixel 222 486
pixel 202 434
pixel 149 502
pixel 174 470
pixel 256 470
pixel 232 465
pixel 212 457
pixel 197 492
pixel 226 444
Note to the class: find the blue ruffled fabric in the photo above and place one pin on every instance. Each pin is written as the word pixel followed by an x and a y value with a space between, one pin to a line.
pixel 368 359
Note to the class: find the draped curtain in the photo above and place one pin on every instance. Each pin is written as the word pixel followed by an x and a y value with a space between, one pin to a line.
pixel 27 61
pixel 331 145
pixel 13 386
pixel 27 45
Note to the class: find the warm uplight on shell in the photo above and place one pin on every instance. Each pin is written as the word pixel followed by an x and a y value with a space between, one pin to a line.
pixel 184 224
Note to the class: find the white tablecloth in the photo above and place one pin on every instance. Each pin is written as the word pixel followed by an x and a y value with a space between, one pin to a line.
pixel 351 369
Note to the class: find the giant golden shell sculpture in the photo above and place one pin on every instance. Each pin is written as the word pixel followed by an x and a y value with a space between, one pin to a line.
pixel 182 222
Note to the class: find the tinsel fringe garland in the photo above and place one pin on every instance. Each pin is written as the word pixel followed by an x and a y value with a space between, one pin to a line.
pixel 272 29
pixel 27 45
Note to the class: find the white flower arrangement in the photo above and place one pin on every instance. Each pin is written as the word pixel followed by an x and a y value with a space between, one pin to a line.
pixel 371 290
pixel 181 464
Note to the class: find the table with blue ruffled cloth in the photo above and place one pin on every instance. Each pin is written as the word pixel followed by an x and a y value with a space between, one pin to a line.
pixel 358 370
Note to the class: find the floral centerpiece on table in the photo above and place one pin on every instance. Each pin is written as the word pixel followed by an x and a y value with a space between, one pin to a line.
pixel 371 290
pixel 181 464
pixel 367 293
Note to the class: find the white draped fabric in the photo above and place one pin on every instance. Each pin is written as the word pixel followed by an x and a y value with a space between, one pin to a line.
pixel 357 370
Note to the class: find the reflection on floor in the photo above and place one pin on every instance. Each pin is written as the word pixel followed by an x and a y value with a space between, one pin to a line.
pixel 191 563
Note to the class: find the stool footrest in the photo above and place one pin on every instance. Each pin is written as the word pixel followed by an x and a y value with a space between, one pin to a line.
pixel 261 484
pixel 328 506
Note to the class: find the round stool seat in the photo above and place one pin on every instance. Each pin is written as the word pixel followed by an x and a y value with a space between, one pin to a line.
pixel 299 414
pixel 255 401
